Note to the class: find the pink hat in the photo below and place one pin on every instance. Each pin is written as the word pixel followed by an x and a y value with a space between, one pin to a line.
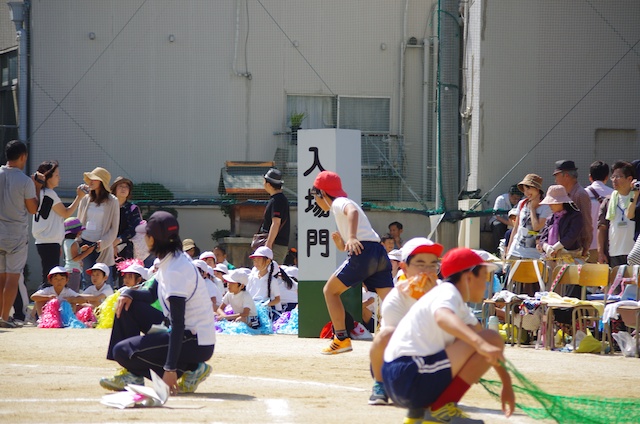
pixel 556 195
pixel 330 183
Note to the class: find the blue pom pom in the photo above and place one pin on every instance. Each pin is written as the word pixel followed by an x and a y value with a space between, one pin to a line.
pixel 68 318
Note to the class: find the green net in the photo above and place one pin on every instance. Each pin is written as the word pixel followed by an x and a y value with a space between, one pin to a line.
pixel 540 405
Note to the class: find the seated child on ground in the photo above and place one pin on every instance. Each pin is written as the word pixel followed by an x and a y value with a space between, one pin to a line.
pixel 133 276
pixel 288 281
pixel 207 274
pixel 244 309
pixel 99 290
pixel 439 349
pixel 218 271
pixel 58 278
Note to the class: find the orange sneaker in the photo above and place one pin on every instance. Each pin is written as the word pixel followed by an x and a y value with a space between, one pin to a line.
pixel 338 346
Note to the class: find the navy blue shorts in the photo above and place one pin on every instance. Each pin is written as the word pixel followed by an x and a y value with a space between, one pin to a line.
pixel 371 266
pixel 417 381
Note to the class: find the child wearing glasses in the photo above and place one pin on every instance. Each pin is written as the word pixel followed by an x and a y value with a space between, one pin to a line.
pixel 420 266
pixel 367 261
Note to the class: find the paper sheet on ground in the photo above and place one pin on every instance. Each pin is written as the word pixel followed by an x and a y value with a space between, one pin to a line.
pixel 136 395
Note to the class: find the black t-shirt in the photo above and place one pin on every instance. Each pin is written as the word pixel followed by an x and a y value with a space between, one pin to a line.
pixel 278 207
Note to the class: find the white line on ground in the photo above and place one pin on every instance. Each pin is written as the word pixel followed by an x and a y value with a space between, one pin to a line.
pixel 266 379
pixel 302 382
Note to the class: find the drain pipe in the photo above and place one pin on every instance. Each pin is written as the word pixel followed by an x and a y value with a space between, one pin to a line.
pixel 17 15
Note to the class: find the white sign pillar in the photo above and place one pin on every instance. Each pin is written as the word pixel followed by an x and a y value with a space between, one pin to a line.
pixel 330 150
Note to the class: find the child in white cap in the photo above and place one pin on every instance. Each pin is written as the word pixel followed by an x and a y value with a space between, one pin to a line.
pixel 58 278
pixel 244 308
pixel 263 281
pixel 99 289
pixel 419 263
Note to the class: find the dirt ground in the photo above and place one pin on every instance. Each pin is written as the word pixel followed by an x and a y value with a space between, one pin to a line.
pixel 51 376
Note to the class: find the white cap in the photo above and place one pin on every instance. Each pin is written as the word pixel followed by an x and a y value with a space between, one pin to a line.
pixel 238 275
pixel 420 245
pixel 291 271
pixel 262 251
pixel 395 255
pixel 202 265
pixel 58 270
pixel 222 268
pixel 209 270
pixel 207 254
pixel 102 267
pixel 136 269
pixel 141 227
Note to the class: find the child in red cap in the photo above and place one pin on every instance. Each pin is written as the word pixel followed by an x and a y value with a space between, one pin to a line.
pixel 439 349
pixel 367 261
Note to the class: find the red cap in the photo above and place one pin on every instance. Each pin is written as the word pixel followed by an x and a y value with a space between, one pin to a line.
pixel 330 183
pixel 459 259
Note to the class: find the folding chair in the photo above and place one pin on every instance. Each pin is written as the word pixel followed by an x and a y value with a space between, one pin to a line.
pixel 631 317
pixel 627 313
pixel 587 275
pixel 523 272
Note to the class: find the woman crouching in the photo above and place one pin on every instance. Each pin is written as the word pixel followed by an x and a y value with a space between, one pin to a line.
pixel 178 355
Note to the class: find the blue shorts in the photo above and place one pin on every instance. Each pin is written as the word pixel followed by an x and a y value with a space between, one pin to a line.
pixel 417 381
pixel 371 266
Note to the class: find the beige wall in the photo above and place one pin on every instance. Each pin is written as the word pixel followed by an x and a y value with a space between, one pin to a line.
pixel 172 113
pixel 522 89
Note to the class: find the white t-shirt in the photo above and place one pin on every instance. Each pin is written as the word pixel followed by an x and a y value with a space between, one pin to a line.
pixel 288 295
pixel 213 290
pixel 418 334
pixel 48 291
pixel 365 230
pixel 621 229
pixel 524 238
pixel 93 291
pixel 177 276
pixel 220 285
pixel 602 190
pixel 240 301
pixel 257 286
pixel 95 216
pixel 502 202
pixel 48 226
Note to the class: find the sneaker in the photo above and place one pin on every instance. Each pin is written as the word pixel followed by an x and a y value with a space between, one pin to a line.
pixel 378 395
pixel 449 413
pixel 18 323
pixel 7 324
pixel 190 380
pixel 338 346
pixel 118 382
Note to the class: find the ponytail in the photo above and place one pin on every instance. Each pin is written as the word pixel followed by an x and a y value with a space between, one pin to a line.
pixel 288 282
pixel 269 280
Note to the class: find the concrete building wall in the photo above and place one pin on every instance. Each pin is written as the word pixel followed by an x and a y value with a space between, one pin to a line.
pixel 173 112
pixel 561 74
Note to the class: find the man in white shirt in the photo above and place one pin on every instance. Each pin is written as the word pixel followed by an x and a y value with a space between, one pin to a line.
pixel 617 220
pixel 597 191
pixel 500 223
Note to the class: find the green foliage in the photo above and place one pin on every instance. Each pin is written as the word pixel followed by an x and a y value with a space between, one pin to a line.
pixel 296 118
pixel 219 234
